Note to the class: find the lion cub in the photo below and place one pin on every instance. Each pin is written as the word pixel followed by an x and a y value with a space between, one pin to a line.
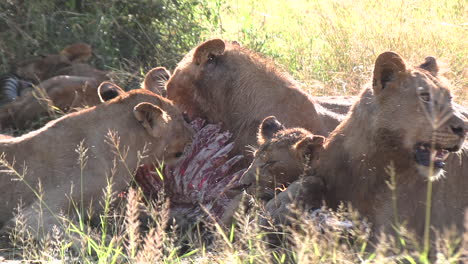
pixel 116 137
pixel 282 157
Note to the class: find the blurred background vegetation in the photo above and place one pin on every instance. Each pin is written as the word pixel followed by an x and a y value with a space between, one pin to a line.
pixel 333 42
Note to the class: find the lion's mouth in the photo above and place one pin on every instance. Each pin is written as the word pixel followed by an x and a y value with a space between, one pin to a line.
pixel 426 154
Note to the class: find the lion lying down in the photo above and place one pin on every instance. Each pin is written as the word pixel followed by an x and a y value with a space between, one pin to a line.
pixel 405 121
pixel 143 126
pixel 57 82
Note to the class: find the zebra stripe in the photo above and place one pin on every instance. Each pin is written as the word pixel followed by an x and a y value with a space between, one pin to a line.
pixel 9 85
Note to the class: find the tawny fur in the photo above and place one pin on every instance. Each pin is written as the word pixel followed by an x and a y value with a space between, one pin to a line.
pixel 381 129
pixel 51 158
pixel 224 82
pixel 65 80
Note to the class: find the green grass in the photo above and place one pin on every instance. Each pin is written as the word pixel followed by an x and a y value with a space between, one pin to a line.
pixel 330 42
pixel 337 42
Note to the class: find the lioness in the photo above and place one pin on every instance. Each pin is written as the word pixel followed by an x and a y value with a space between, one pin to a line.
pixel 389 124
pixel 143 126
pixel 63 81
pixel 405 120
pixel 63 93
pixel 70 61
pixel 224 82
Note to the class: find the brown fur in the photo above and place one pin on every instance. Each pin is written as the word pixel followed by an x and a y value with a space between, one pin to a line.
pixel 70 61
pixel 283 156
pixel 304 194
pixel 63 81
pixel 382 128
pixel 226 83
pixel 140 119
pixel 64 93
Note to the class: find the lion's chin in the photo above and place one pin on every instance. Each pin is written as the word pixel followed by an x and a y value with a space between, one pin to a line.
pixel 428 157
pixel 426 172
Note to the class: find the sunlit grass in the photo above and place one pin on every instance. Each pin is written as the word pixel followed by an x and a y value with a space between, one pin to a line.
pixel 336 42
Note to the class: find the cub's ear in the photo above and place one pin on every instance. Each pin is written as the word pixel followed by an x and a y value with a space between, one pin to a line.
pixel 269 126
pixel 108 91
pixel 310 146
pixel 152 118
pixel 430 65
pixel 156 79
pixel 388 65
pixel 207 49
pixel 78 52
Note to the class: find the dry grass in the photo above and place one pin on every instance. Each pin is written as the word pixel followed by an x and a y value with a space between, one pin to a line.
pixel 335 42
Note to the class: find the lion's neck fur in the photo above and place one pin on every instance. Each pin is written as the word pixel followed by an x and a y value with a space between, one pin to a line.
pixel 354 172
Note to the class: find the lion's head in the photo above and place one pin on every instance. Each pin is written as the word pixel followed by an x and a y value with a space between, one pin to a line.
pixel 282 157
pixel 412 110
pixel 223 82
pixel 70 61
pixel 199 81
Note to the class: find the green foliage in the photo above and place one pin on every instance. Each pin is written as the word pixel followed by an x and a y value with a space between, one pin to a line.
pixel 129 37
pixel 335 42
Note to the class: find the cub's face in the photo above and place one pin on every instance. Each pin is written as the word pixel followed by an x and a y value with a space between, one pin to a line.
pixel 282 157
pixel 414 109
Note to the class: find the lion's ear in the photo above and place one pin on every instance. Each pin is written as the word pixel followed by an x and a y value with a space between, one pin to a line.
pixel 310 146
pixel 204 51
pixel 78 52
pixel 430 65
pixel 156 79
pixel 387 67
pixel 108 91
pixel 152 118
pixel 269 126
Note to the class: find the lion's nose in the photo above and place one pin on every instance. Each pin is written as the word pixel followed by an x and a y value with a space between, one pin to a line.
pixel 459 130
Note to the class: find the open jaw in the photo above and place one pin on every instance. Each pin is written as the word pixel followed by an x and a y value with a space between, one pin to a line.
pixel 426 154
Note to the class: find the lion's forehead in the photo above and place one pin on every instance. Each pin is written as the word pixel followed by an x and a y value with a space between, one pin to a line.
pixel 430 83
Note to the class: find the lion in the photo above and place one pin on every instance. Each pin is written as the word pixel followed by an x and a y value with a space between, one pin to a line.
pixel 140 125
pixel 392 124
pixel 70 61
pixel 60 94
pixel 58 82
pixel 285 158
pixel 283 155
pixel 406 122
pixel 224 82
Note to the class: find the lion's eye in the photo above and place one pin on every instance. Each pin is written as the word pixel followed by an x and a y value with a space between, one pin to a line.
pixel 211 58
pixel 425 97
